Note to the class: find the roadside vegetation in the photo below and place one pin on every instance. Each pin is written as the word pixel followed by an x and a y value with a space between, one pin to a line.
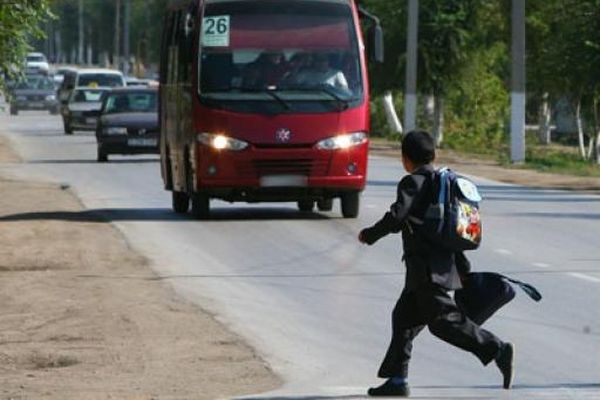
pixel 465 102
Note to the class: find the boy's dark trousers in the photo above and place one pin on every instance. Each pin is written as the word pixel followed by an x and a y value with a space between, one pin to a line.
pixel 430 305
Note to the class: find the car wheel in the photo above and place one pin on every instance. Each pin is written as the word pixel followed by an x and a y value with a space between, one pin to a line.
pixel 180 202
pixel 68 128
pixel 54 111
pixel 306 205
pixel 200 206
pixel 350 204
pixel 325 204
pixel 102 156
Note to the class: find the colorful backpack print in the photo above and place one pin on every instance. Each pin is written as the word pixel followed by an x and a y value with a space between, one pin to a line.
pixel 453 220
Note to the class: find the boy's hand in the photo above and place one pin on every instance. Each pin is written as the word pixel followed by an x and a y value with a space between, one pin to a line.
pixel 365 237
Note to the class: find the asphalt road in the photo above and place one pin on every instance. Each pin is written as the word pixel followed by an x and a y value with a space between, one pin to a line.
pixel 315 303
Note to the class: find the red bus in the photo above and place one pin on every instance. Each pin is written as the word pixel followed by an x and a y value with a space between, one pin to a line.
pixel 265 100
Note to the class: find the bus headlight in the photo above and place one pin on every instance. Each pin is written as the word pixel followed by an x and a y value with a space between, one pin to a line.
pixel 342 142
pixel 221 142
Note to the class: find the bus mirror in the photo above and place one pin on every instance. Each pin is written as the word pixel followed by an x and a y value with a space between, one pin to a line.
pixel 376 52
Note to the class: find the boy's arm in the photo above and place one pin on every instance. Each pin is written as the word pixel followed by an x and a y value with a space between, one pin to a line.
pixel 408 191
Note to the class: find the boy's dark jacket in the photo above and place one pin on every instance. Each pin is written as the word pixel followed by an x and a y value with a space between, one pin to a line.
pixel 425 261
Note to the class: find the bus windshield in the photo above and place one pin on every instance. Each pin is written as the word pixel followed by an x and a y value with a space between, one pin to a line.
pixel 303 57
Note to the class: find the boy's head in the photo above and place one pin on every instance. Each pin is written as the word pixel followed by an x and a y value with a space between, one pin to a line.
pixel 418 149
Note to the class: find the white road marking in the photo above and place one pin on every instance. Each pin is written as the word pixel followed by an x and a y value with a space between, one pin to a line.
pixel 585 277
pixel 503 251
pixel 541 265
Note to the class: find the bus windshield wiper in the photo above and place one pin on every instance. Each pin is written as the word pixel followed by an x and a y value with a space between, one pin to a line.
pixel 271 93
pixel 342 103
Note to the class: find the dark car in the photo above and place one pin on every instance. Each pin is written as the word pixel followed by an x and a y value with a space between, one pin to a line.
pixel 83 109
pixel 35 92
pixel 128 122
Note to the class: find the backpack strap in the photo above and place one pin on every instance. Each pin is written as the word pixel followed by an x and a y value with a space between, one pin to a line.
pixel 527 288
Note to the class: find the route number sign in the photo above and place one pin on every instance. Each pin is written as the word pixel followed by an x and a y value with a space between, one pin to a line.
pixel 215 31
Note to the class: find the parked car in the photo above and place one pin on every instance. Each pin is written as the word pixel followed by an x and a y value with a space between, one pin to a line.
pixel 35 92
pixel 82 109
pixel 128 122
pixel 36 63
pixel 89 78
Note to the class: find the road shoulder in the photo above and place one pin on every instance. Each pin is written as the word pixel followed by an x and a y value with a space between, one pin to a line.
pixel 493 170
pixel 84 316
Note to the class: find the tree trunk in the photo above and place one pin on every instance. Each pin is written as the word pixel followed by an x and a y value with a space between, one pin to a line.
pixel 117 46
pixel 438 120
pixel 580 135
pixel 544 123
pixel 390 113
pixel 596 141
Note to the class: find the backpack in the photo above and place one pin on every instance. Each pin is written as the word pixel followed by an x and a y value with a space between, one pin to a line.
pixel 453 219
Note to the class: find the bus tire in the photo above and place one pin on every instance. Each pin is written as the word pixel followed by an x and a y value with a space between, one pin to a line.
pixel 325 204
pixel 180 202
pixel 200 206
pixel 306 205
pixel 350 204
pixel 14 110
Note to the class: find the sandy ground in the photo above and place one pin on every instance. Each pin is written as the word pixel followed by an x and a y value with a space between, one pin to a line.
pixel 84 317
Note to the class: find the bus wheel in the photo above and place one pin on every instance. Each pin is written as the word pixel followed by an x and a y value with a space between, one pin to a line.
pixel 306 205
pixel 200 206
pixel 180 202
pixel 350 204
pixel 14 110
pixel 325 204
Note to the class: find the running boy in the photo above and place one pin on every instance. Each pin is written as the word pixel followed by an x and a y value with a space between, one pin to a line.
pixel 431 271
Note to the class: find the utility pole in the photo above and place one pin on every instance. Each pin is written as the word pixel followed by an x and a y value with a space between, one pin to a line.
pixel 410 95
pixel 80 34
pixel 126 51
pixel 117 46
pixel 517 95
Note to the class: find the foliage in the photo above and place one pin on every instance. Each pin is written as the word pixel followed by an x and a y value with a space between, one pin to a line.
pixel 480 106
pixel 19 21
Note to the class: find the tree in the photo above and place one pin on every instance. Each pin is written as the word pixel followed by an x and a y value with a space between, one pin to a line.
pixel 445 30
pixel 19 21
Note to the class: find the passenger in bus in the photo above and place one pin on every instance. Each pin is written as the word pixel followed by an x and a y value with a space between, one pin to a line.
pixel 298 63
pixel 321 73
pixel 268 70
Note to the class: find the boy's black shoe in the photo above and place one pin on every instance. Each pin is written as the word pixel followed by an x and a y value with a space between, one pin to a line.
pixel 505 362
pixel 389 389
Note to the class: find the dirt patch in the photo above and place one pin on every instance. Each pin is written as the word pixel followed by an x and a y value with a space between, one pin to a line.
pixel 84 317
pixel 491 169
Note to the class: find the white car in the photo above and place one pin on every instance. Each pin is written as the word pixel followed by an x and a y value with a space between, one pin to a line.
pixel 36 63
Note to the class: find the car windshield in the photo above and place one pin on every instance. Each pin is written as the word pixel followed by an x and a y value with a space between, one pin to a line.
pixel 131 102
pixel 36 83
pixel 100 79
pixel 87 96
pixel 36 58
pixel 302 57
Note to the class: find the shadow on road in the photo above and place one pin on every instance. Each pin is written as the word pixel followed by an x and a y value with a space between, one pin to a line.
pixel 555 215
pixel 91 161
pixel 105 215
